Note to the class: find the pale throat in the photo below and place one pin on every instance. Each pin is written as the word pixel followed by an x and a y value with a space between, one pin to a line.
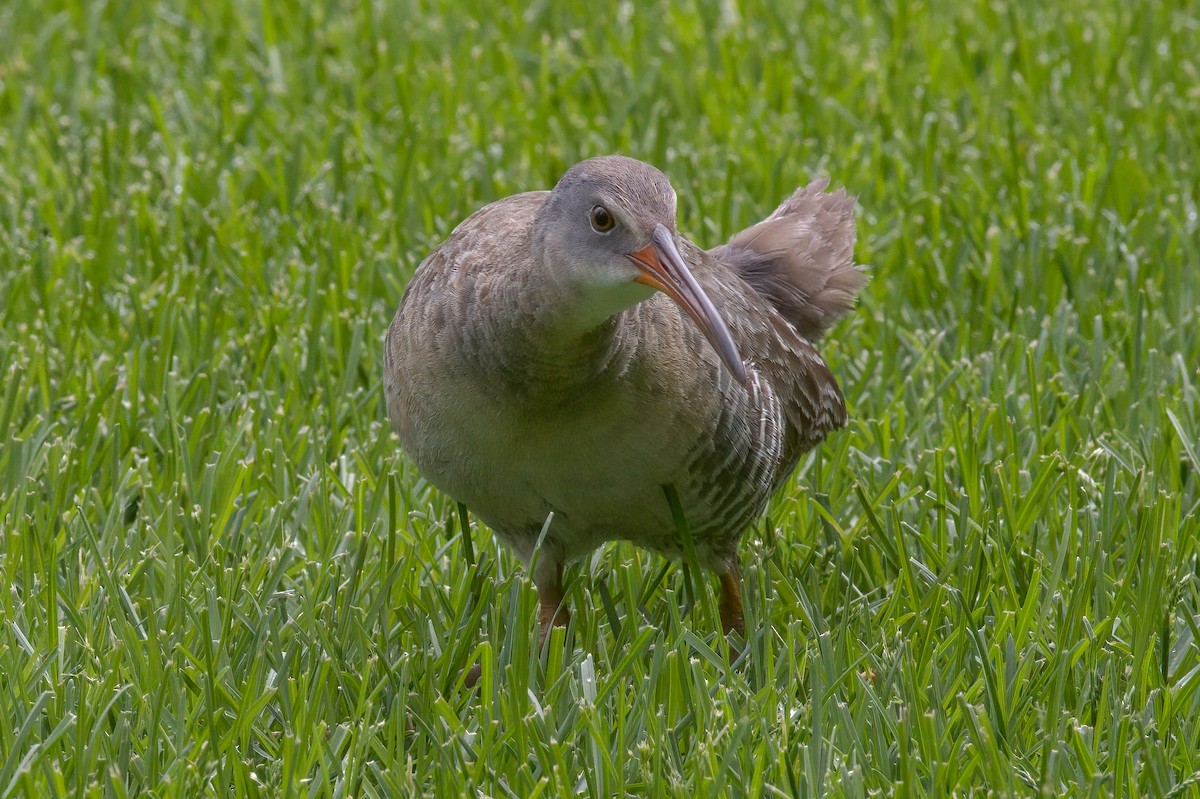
pixel 598 303
pixel 574 309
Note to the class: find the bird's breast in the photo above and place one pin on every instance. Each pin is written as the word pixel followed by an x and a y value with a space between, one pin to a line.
pixel 532 429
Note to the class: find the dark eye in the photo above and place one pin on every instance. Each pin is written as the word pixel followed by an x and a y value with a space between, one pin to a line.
pixel 602 220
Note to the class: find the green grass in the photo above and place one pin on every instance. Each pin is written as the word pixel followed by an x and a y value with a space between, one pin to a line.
pixel 221 577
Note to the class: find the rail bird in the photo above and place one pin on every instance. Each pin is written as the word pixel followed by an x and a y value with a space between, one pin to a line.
pixel 568 352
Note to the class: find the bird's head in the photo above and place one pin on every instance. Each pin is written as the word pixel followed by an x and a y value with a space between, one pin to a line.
pixel 607 232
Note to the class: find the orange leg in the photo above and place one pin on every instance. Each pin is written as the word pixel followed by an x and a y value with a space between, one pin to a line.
pixel 551 610
pixel 730 603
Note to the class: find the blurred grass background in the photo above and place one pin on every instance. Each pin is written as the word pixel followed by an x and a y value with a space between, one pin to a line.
pixel 220 577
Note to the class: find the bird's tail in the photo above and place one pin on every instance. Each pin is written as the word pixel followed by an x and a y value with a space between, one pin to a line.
pixel 801 258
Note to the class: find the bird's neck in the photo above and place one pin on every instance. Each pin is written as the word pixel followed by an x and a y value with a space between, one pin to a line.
pixel 562 337
pixel 562 353
pixel 559 347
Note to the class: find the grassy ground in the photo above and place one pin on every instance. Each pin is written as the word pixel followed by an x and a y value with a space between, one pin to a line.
pixel 219 576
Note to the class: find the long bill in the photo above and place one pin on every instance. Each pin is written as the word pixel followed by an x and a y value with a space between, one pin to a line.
pixel 663 268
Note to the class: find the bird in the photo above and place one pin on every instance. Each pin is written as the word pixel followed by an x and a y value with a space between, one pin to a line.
pixel 566 363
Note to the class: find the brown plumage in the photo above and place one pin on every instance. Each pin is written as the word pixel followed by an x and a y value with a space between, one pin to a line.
pixel 568 352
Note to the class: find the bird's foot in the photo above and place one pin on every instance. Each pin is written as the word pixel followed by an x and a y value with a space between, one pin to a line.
pixel 472 676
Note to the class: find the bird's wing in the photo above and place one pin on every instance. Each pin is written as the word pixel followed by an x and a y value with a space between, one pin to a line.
pixel 777 354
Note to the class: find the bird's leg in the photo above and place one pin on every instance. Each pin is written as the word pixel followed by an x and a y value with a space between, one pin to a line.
pixel 551 610
pixel 547 576
pixel 730 603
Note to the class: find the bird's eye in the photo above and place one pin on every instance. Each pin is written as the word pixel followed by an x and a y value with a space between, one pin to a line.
pixel 602 219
